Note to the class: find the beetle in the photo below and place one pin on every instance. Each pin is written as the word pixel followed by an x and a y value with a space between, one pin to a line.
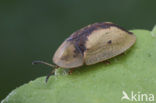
pixel 92 44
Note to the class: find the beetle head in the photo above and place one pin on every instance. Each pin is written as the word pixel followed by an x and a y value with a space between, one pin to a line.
pixel 68 56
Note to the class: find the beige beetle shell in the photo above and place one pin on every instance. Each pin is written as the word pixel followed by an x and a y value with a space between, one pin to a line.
pixel 93 44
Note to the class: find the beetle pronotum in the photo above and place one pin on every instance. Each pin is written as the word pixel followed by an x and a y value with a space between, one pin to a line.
pixel 92 44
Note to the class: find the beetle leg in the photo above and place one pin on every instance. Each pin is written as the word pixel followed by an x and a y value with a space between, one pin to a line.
pixel 123 53
pixel 107 62
pixel 71 70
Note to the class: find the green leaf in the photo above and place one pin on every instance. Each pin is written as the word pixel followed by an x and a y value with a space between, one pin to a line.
pixel 153 32
pixel 135 70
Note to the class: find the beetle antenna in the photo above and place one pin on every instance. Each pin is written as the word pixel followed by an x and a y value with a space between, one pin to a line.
pixel 45 63
pixel 42 62
pixel 51 73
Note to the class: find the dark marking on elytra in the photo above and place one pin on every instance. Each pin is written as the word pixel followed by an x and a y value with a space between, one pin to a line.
pixel 109 42
pixel 65 58
pixel 80 37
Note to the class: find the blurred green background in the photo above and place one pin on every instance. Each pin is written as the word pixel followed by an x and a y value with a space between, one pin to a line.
pixel 33 29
